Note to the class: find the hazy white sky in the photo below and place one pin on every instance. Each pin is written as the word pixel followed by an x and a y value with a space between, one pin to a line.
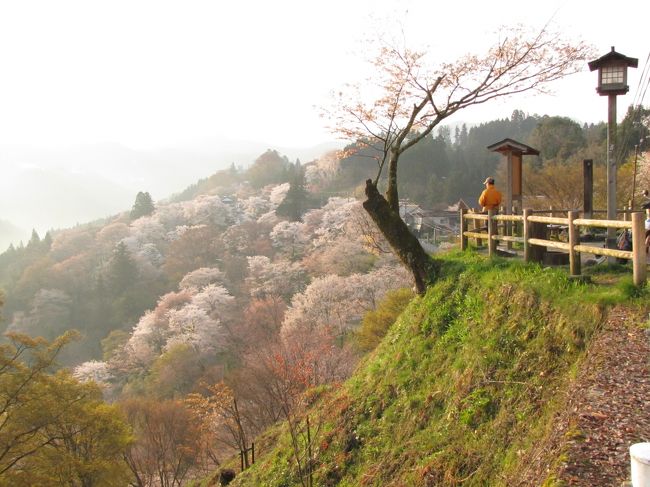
pixel 159 73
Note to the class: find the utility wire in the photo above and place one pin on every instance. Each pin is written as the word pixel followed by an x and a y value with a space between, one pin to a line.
pixel 637 106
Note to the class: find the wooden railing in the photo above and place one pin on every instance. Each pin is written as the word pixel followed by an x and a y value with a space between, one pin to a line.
pixel 534 241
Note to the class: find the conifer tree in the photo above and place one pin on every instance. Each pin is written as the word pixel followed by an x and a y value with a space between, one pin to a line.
pixel 46 243
pixel 143 206
pixel 297 201
pixel 122 271
pixel 34 240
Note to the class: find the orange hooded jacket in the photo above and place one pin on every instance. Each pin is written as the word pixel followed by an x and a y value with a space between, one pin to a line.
pixel 490 198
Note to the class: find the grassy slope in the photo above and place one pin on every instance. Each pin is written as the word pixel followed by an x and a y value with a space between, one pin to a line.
pixel 465 381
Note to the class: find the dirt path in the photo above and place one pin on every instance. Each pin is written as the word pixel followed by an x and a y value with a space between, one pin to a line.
pixel 608 409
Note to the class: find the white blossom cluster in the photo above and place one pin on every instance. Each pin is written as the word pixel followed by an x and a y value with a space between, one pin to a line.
pixel 321 248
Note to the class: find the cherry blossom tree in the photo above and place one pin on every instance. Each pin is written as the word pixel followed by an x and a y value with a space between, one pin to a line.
pixel 93 370
pixel 342 257
pixel 266 278
pixel 270 219
pixel 320 173
pixel 248 238
pixel 108 237
pixel 278 193
pixel 408 96
pixel 336 217
pixel 180 230
pixel 325 303
pixel 192 325
pixel 255 206
pixel 215 300
pixel 145 230
pixel 207 210
pixel 337 302
pixel 290 238
pixel 150 334
pixel 201 277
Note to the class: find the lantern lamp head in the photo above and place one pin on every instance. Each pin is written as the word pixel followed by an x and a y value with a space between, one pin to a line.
pixel 612 72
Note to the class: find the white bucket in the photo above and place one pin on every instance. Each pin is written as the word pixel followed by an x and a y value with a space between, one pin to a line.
pixel 640 463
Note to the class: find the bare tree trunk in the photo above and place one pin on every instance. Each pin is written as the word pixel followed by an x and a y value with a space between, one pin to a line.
pixel 391 193
pixel 405 245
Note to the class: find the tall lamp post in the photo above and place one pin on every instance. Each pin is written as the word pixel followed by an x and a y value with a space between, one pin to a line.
pixel 612 81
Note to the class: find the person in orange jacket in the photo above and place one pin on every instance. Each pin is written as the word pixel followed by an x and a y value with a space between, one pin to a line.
pixel 490 197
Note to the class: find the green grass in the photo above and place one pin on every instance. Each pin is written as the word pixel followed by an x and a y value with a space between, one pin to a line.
pixel 464 381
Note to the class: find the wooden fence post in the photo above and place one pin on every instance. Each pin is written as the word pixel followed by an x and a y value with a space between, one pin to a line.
pixel 509 228
pixel 526 232
pixel 588 192
pixel 463 229
pixel 477 227
pixel 574 239
pixel 492 231
pixel 638 249
pixel 537 230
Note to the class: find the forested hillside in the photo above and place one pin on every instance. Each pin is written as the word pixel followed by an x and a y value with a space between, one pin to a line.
pixel 200 295
pixel 208 315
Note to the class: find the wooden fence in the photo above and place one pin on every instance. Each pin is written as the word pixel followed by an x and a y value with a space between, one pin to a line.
pixel 533 230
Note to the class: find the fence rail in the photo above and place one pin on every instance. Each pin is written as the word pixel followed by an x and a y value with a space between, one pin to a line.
pixel 534 230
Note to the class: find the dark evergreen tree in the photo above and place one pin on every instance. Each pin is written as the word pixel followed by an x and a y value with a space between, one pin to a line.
pixel 130 296
pixel 46 243
pixel 122 271
pixel 143 206
pixel 34 241
pixel 557 138
pixel 298 200
pixel 463 137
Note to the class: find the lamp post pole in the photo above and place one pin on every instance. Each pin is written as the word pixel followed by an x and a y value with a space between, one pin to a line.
pixel 611 170
pixel 612 81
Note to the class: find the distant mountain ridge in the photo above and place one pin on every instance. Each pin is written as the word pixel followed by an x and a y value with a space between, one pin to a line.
pixel 58 188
